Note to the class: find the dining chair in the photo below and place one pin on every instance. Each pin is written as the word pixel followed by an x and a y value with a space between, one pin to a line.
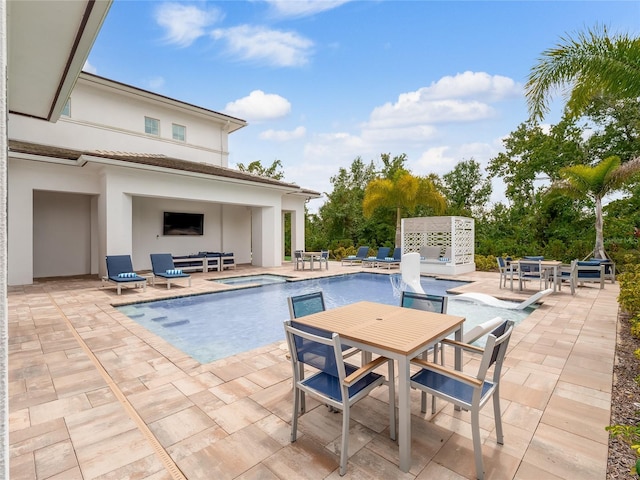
pixel 529 269
pixel 299 259
pixel 323 258
pixel 335 383
pixel 424 301
pixel 308 304
pixel 467 391
pixel 507 269
pixel 428 303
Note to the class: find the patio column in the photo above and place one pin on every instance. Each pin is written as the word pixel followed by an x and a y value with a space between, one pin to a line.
pixel 266 237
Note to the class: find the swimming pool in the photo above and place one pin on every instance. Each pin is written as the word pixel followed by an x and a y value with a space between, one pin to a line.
pixel 221 324
pixel 263 279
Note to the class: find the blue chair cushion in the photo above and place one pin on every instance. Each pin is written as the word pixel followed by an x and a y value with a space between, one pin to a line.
pixel 448 386
pixel 590 263
pixel 329 385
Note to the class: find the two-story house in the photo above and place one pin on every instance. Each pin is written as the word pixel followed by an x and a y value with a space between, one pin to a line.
pixel 99 180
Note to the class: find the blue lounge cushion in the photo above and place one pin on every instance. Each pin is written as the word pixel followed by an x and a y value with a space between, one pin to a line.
pixel 592 263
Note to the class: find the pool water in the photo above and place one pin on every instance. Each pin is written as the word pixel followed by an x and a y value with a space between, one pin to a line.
pixel 221 324
pixel 263 279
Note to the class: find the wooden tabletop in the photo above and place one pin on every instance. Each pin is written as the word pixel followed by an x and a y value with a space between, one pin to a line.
pixel 388 327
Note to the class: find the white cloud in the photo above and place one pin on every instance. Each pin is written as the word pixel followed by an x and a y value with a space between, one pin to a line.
pixel 274 47
pixel 303 8
pixel 259 106
pixel 283 135
pixel 89 68
pixel 438 160
pixel 155 83
pixel 185 23
pixel 461 98
pixel 471 84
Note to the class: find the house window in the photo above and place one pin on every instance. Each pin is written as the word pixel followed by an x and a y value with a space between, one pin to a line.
pixel 179 132
pixel 152 126
pixel 66 111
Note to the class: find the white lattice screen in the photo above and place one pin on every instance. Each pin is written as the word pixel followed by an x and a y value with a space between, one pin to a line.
pixel 455 232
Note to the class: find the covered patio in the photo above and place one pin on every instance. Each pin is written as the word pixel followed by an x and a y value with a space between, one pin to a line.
pixel 94 395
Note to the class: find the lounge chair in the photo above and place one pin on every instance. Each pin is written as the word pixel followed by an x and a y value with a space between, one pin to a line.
pixel 163 267
pixel 383 252
pixel 393 261
pixel 358 257
pixel 120 272
pixel 334 382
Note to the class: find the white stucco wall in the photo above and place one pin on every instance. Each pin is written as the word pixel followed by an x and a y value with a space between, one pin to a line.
pixel 119 211
pixel 112 120
pixel 61 234
pixel 25 177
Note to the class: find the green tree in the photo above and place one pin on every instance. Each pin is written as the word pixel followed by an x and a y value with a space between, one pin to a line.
pixel 594 182
pixel 466 189
pixel 340 217
pixel 402 192
pixel 592 64
pixel 256 168
pixel 532 153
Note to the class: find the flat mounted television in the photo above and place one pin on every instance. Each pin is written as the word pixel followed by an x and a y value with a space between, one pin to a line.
pixel 183 223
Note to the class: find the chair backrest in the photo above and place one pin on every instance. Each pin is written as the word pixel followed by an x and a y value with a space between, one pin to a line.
pixel 383 252
pixel 397 253
pixel 501 263
pixel 315 350
pixel 589 269
pixel 424 301
pixel 495 350
pixel 297 254
pixel 161 262
pixel 529 266
pixel 362 252
pixel 324 254
pixel 306 304
pixel 117 264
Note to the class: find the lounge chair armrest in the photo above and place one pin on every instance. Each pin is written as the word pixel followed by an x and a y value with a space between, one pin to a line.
pixel 364 370
pixel 455 374
pixel 464 346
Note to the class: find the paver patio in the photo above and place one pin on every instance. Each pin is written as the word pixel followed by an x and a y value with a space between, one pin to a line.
pixel 93 395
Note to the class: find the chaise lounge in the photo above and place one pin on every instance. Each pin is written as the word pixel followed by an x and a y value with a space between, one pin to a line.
pixel 120 272
pixel 358 257
pixel 163 267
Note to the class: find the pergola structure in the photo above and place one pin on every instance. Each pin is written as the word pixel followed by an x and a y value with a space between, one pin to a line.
pixel 454 235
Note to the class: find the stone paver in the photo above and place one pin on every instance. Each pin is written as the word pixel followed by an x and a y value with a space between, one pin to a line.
pixel 94 395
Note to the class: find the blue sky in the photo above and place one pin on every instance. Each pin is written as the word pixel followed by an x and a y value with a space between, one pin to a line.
pixel 322 82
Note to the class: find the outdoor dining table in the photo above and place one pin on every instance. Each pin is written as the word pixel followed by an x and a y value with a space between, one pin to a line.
pixel 552 265
pixel 393 332
pixel 312 256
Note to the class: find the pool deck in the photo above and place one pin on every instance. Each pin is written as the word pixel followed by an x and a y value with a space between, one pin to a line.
pixel 92 395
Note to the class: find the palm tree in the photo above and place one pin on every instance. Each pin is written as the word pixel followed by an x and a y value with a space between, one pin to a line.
pixel 595 182
pixel 592 64
pixel 402 191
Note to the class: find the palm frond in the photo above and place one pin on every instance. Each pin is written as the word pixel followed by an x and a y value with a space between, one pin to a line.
pixel 583 67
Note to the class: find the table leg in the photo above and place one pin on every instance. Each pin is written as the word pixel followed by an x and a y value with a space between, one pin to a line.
pixel 404 414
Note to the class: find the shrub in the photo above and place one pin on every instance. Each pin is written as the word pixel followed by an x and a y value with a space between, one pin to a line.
pixel 629 297
pixel 485 263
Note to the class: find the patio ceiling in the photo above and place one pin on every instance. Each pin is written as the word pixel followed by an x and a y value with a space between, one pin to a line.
pixel 48 44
